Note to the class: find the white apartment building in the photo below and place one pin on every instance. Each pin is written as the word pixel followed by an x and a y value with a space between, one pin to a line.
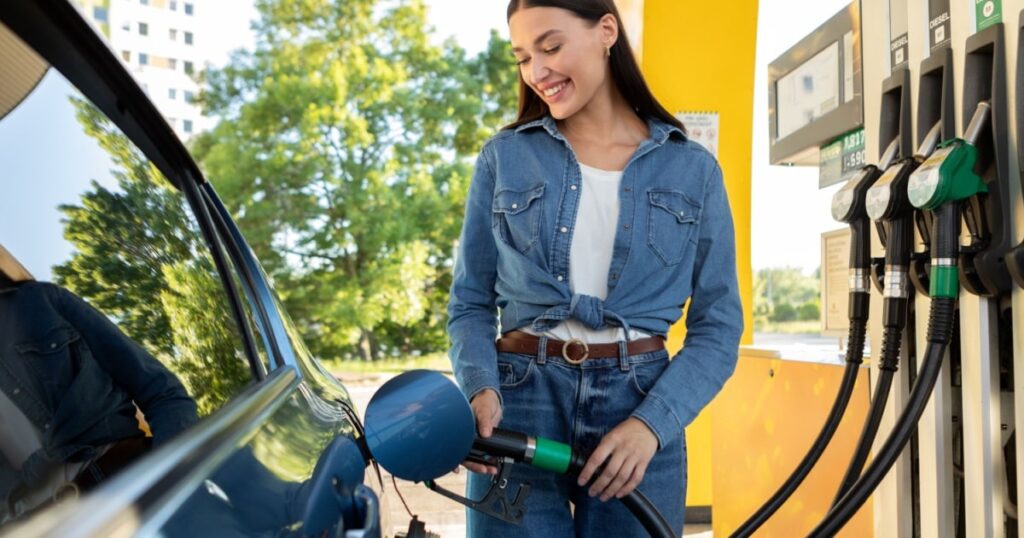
pixel 159 42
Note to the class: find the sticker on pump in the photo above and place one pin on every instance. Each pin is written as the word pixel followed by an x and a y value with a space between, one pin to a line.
pixel 879 194
pixel 925 179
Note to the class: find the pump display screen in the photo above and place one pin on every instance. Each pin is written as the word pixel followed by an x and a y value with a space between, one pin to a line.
pixel 809 91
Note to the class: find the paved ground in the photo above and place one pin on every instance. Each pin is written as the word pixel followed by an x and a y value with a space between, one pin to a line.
pixel 442 516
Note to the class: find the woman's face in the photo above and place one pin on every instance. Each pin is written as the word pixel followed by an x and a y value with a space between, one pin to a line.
pixel 561 56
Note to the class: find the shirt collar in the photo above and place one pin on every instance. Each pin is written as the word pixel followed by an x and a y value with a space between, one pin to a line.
pixel 660 131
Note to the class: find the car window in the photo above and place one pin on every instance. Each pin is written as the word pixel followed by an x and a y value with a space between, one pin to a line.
pixel 116 331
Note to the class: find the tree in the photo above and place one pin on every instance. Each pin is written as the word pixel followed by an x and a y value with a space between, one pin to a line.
pixel 786 294
pixel 809 311
pixel 344 151
pixel 209 360
pixel 140 259
pixel 123 238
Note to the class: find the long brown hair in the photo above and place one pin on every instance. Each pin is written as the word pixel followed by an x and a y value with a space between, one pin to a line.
pixel 625 71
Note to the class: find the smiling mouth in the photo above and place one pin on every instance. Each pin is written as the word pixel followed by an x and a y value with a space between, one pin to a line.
pixel 555 91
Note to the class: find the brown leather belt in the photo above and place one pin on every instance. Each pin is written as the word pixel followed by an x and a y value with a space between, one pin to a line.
pixel 574 351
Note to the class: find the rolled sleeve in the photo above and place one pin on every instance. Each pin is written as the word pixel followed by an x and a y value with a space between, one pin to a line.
pixel 714 325
pixel 472 309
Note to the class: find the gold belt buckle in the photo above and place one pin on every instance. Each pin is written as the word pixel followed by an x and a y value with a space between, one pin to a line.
pixel 565 351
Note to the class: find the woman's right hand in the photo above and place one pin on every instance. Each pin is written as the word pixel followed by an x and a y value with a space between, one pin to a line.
pixel 487 410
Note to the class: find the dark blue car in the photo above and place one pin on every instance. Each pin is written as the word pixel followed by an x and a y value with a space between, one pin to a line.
pixel 150 382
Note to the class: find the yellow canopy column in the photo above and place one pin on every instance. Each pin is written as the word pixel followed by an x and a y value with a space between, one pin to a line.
pixel 698 57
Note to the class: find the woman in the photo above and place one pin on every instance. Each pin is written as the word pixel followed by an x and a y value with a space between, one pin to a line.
pixel 590 221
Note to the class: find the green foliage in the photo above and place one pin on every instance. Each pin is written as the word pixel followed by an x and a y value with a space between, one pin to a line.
pixel 344 151
pixel 116 267
pixel 206 338
pixel 139 259
pixel 783 312
pixel 809 311
pixel 785 294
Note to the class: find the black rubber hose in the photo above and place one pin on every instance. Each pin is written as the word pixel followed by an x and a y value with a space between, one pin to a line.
pixel 867 435
pixel 854 358
pixel 647 514
pixel 512 444
pixel 940 325
pixel 945 244
pixel 635 501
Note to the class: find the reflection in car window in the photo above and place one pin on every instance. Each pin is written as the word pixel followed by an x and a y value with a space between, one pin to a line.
pixel 126 311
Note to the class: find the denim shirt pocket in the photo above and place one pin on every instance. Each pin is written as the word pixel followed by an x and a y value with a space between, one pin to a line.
pixel 55 341
pixel 671 223
pixel 51 357
pixel 517 216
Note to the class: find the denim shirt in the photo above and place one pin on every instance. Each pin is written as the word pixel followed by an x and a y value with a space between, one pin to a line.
pixel 674 242
pixel 74 375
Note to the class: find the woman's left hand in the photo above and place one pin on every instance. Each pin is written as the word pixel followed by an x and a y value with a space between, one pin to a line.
pixel 625 452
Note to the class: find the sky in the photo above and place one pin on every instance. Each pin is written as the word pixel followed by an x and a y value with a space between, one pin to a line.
pixel 781 236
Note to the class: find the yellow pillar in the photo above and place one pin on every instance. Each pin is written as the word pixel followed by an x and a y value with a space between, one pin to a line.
pixel 699 56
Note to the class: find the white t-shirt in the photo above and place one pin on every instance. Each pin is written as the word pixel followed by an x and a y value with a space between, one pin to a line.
pixel 590 253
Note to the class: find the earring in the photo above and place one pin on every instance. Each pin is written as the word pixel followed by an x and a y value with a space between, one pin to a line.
pixel 608 51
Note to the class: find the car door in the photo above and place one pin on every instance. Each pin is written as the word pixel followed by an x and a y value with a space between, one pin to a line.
pixel 103 201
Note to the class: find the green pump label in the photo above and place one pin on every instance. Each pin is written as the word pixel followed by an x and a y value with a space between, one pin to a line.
pixel 987 13
pixel 841 158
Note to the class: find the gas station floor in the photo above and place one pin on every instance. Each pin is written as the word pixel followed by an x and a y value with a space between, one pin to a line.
pixel 442 516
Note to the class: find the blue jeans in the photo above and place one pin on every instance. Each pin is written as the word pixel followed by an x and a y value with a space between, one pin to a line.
pixel 578 405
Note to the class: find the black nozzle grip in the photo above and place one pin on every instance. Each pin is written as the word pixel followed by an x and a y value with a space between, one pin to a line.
pixel 503 444
pixel 860 244
pixel 946 235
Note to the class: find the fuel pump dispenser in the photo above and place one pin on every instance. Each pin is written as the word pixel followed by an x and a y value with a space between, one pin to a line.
pixel 848 206
pixel 985 348
pixel 953 223
pixel 888 206
pixel 934 107
pixel 941 184
pixel 895 126
pixel 938 488
pixel 1015 260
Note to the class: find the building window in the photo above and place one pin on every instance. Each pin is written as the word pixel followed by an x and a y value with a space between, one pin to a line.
pixel 173 5
pixel 99 13
pixel 172 34
pixel 171 121
pixel 126 55
pixel 186 125
pixel 172 94
pixel 188 38
pixel 126 26
pixel 143 28
pixel 189 97
pixel 188 8
pixel 144 2
pixel 172 64
pixel 143 58
pixel 188 68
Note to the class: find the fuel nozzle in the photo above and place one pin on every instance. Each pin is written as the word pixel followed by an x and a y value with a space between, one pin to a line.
pixel 940 184
pixel 535 451
pixel 889 206
pixel 948 175
pixel 848 206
